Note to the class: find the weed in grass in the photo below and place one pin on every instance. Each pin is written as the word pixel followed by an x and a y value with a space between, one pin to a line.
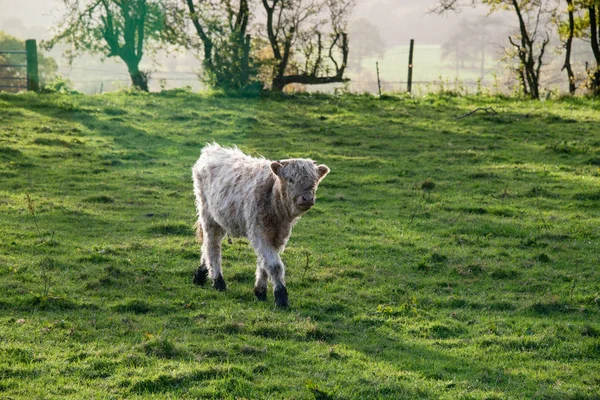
pixel 161 347
pixel 134 306
pixel 543 257
pixel 564 147
pixel 171 229
pixel 427 186
pixel 318 393
pixel 432 263
pixel 101 199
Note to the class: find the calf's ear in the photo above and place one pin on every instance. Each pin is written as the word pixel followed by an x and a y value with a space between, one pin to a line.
pixel 276 168
pixel 323 170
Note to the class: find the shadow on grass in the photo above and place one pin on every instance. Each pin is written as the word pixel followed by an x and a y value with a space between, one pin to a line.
pixel 181 382
pixel 34 303
pixel 68 109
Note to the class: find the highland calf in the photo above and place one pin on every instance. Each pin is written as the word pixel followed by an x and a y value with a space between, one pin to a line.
pixel 260 199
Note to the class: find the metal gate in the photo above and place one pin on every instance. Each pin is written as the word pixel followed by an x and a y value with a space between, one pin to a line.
pixel 23 74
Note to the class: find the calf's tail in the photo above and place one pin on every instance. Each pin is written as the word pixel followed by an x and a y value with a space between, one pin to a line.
pixel 198 227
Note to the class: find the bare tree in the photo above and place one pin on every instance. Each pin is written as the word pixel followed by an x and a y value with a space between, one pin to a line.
pixel 527 48
pixel 444 6
pixel 530 57
pixel 308 40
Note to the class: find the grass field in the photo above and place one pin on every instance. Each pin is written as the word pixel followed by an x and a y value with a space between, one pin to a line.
pixel 445 258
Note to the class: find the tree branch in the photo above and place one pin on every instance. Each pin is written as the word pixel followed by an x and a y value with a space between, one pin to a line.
pixel 488 110
pixel 319 51
pixel 207 43
pixel 270 31
pixel 140 31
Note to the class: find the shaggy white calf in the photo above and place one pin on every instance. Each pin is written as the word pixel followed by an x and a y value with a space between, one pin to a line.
pixel 244 196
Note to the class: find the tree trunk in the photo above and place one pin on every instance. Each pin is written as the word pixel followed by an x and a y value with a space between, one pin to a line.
pixel 138 78
pixel 594 82
pixel 530 67
pixel 278 84
pixel 568 46
pixel 304 79
pixel 207 42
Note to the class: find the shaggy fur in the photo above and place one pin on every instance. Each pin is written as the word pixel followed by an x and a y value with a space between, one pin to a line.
pixel 260 199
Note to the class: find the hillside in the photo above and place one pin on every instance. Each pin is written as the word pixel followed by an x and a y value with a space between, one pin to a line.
pixel 445 258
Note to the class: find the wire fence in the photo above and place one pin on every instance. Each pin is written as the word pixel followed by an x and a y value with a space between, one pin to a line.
pixel 433 71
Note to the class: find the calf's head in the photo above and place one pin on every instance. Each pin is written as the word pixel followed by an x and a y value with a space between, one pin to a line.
pixel 299 179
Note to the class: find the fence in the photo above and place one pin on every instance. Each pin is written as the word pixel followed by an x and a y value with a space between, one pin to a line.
pixel 403 68
pixel 12 71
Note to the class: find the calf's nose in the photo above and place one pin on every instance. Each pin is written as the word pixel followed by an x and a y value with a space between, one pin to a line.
pixel 308 200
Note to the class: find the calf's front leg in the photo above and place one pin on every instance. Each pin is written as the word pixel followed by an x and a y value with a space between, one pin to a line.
pixel 277 273
pixel 260 285
pixel 270 264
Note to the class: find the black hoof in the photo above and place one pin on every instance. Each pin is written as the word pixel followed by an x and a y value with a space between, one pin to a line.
pixel 220 284
pixel 260 293
pixel 201 275
pixel 281 297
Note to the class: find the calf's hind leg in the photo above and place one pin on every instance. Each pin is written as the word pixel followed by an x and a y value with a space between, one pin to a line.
pixel 202 272
pixel 210 263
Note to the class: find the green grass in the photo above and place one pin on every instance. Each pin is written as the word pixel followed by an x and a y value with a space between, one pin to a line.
pixel 445 258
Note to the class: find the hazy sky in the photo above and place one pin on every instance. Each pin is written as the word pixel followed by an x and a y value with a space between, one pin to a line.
pixel 397 20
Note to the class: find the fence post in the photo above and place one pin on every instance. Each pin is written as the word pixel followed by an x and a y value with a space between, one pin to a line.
pixel 410 65
pixel 378 81
pixel 33 79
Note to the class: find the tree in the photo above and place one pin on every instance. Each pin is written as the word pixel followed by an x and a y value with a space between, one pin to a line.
pixel 308 41
pixel 467 43
pixel 297 41
pixel 113 28
pixel 583 23
pixel 16 76
pixel 220 29
pixel 530 56
pixel 526 47
pixel 366 42
pixel 567 34
pixel 470 42
pixel 593 18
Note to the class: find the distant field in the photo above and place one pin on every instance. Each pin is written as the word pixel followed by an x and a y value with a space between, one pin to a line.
pixel 446 258
pixel 429 68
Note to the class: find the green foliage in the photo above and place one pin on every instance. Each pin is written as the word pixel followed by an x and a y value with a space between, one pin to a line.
pixel 109 28
pixel 227 69
pixel 445 258
pixel 126 29
pixel 59 85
